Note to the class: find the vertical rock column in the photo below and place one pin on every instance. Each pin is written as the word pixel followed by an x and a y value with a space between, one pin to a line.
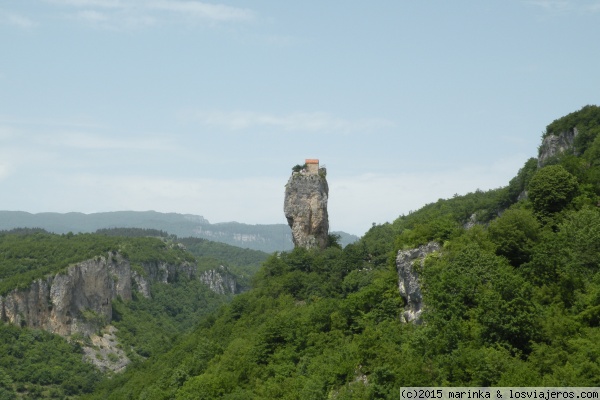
pixel 305 208
pixel 408 262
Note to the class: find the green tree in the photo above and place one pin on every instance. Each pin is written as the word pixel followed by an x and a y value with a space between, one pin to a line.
pixel 592 153
pixel 581 235
pixel 519 183
pixel 333 240
pixel 6 386
pixel 298 167
pixel 551 189
pixel 515 234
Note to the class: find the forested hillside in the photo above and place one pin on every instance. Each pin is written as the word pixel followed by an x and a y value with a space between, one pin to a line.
pixel 242 262
pixel 511 299
pixel 37 364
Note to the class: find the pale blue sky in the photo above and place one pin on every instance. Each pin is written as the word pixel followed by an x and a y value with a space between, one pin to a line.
pixel 204 107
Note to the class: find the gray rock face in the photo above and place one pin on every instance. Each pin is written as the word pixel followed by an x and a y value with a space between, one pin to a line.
pixel 160 272
pixel 105 352
pixel 553 145
pixel 78 300
pixel 305 208
pixel 219 280
pixel 408 263
pixel 471 222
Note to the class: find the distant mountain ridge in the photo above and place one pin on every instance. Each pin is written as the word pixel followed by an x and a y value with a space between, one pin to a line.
pixel 267 238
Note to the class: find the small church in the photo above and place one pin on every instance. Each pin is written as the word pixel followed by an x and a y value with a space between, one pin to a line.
pixel 312 166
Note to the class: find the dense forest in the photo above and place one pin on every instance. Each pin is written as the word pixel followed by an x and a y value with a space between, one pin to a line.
pixel 511 299
pixel 37 364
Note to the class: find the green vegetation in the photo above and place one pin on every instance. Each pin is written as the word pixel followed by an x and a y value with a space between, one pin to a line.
pixel 512 299
pixel 587 122
pixel 37 364
pixel 587 117
pixel 515 234
pixel 242 262
pixel 146 327
pixel 298 167
pixel 518 184
pixel 93 317
pixel 26 257
pixel 134 232
pixel 295 325
pixel 551 189
pixel 266 238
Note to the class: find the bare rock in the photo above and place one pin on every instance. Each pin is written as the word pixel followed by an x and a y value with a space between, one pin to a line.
pixel 78 300
pixel 554 145
pixel 219 280
pixel 408 263
pixel 160 271
pixel 305 207
pixel 103 351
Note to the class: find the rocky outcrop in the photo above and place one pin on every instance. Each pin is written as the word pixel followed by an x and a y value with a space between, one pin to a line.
pixel 305 208
pixel 77 300
pixel 471 222
pixel 553 145
pixel 103 351
pixel 160 272
pixel 219 280
pixel 408 263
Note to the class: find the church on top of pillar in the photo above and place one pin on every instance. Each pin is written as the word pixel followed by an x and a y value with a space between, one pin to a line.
pixel 312 166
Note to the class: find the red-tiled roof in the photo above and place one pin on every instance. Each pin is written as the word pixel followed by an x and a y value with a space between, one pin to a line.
pixel 311 161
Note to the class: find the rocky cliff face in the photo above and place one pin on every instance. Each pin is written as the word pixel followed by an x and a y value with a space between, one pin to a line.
pixel 219 280
pixel 408 263
pixel 305 208
pixel 160 272
pixel 78 300
pixel 553 145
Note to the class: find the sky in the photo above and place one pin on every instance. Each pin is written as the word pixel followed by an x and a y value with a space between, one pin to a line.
pixel 203 107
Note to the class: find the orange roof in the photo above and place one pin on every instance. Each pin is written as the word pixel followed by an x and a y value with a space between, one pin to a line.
pixel 311 161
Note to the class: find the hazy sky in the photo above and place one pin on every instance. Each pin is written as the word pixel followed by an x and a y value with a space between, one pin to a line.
pixel 203 107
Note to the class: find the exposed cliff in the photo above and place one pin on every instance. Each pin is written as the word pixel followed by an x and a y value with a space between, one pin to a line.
pixel 104 351
pixel 160 271
pixel 305 208
pixel 553 145
pixel 408 263
pixel 77 302
pixel 219 280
